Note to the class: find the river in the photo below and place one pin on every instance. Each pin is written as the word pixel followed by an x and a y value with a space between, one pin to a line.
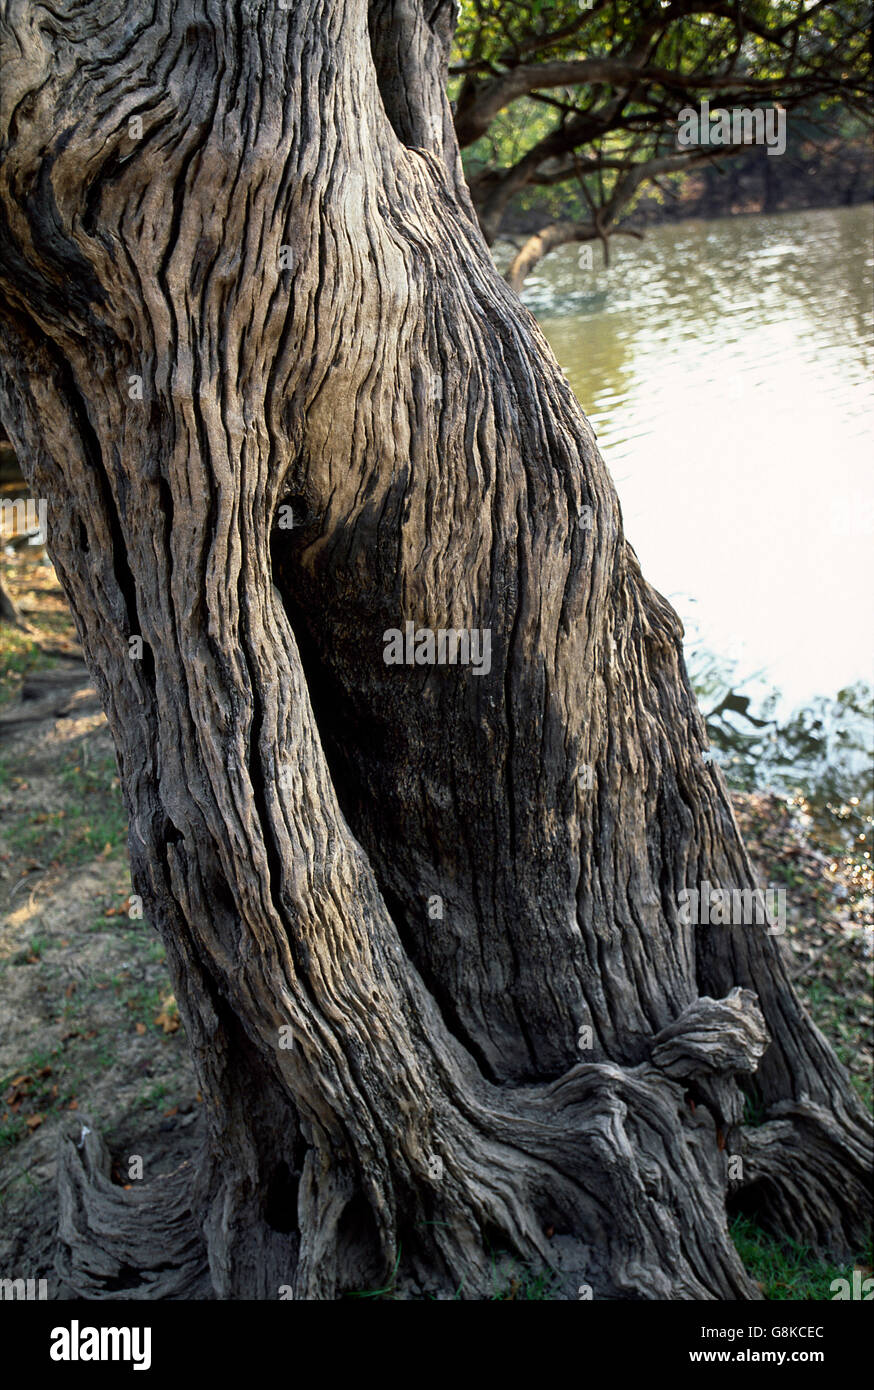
pixel 726 367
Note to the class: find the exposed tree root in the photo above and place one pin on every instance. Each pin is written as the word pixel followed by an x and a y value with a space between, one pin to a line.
pixel 144 1243
pixel 616 1159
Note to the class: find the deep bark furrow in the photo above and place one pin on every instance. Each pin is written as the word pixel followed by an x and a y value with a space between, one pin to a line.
pixel 299 802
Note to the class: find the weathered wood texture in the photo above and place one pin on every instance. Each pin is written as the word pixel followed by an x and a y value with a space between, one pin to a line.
pixel 113 1242
pixel 283 255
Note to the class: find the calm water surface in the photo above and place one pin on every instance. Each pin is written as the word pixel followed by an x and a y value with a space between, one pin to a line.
pixel 727 369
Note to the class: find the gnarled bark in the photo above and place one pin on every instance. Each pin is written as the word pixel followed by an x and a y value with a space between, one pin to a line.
pixel 320 333
pixel 142 1243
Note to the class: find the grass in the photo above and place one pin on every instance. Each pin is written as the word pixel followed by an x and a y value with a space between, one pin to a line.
pixel 525 1285
pixel 144 1001
pixel 754 1105
pixel 33 952
pixel 835 1007
pixel 93 824
pixel 786 1270
pixel 19 655
pixel 154 1095
pixel 12 1130
pixel 41 1093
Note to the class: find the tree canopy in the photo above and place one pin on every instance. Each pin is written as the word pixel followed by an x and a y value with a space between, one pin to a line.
pixel 555 92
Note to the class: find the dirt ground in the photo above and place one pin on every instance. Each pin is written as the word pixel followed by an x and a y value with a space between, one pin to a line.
pixel 88 1023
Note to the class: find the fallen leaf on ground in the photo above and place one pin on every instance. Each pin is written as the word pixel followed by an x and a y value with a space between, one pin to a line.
pixel 168 1018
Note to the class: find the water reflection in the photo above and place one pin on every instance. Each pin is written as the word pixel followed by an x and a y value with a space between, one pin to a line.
pixel 727 370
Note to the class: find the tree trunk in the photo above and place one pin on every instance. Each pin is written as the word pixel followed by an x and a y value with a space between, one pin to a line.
pixel 391 903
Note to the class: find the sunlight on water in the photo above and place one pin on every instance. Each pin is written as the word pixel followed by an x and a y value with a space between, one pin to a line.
pixel 727 370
